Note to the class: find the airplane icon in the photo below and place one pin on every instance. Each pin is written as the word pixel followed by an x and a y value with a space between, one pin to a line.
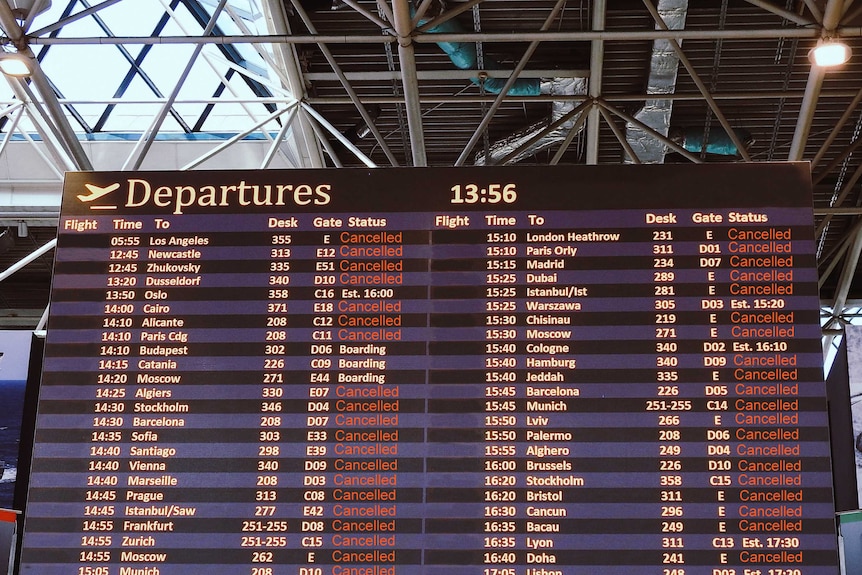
pixel 96 192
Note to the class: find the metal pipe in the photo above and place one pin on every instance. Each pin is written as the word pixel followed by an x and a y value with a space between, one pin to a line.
pixel 453 74
pixel 446 16
pixel 12 107
pixel 409 81
pixel 687 97
pixel 667 141
pixel 851 211
pixel 845 191
pixel 28 259
pixel 594 88
pixel 806 113
pixel 338 135
pixel 834 133
pixel 49 161
pixel 851 260
pixel 833 263
pixel 498 101
pixel 324 141
pixel 831 18
pixel 74 17
pixel 385 26
pixel 853 302
pixel 620 136
pixel 354 97
pixel 656 111
pixel 836 253
pixel 573 36
pixel 544 132
pixel 281 71
pixel 387 11
pixel 814 9
pixel 44 127
pixel 146 142
pixel 273 149
pixel 304 137
pixel 235 138
pixel 420 12
pixel 576 127
pixel 10 129
pixel 608 98
pixel 223 79
pixel 832 14
pixel 849 149
pixel 704 90
pixel 36 8
pixel 56 119
pixel 43 322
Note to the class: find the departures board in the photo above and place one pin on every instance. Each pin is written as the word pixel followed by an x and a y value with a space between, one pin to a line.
pixel 457 371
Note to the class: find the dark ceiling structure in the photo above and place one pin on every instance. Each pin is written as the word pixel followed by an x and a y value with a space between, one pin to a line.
pixel 347 83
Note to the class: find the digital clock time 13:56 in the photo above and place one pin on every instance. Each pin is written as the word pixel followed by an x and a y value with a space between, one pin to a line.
pixel 491 194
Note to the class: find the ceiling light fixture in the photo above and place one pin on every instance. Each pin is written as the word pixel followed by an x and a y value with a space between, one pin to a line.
pixel 829 52
pixel 14 64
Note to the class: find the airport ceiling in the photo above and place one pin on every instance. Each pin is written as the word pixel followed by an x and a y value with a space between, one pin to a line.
pixel 193 84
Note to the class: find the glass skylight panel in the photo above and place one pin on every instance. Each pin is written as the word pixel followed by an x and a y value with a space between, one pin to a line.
pixel 71 69
pixel 133 17
pixel 228 117
pixel 71 66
